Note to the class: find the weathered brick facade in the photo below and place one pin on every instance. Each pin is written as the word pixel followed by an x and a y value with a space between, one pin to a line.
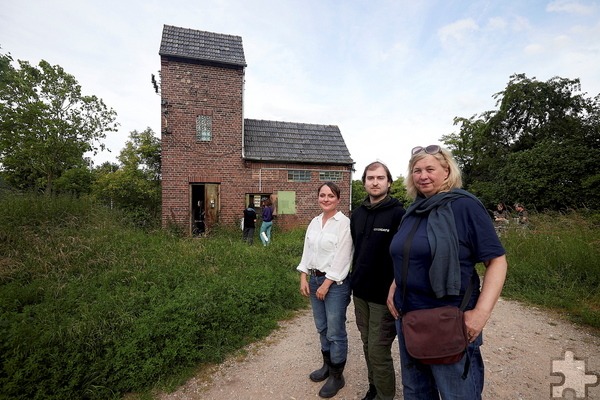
pixel 214 174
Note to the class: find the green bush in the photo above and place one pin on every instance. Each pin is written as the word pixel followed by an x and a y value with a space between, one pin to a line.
pixel 93 309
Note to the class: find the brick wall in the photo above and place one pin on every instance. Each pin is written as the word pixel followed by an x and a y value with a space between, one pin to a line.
pixel 190 89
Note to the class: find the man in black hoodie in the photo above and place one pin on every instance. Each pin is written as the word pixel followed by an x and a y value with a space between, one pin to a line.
pixel 373 225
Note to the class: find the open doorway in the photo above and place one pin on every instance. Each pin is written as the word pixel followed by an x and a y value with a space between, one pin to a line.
pixel 204 209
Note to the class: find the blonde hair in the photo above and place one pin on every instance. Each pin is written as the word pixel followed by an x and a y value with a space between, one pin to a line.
pixel 444 156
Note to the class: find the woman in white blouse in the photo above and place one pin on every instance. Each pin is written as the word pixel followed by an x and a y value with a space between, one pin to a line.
pixel 323 270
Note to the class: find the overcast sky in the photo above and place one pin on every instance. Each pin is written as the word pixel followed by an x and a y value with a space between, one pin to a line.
pixel 391 74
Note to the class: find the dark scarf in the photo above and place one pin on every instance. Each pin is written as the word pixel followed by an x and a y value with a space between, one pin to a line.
pixel 444 274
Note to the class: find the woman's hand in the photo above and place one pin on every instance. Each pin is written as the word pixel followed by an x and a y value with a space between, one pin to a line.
pixel 323 289
pixel 475 320
pixel 390 301
pixel 304 288
pixel 493 281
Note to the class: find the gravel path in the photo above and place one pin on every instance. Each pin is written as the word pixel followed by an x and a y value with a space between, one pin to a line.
pixel 520 343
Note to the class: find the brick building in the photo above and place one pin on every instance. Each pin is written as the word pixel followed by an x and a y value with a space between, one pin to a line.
pixel 214 161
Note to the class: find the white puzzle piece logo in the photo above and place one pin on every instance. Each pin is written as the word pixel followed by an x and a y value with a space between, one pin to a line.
pixel 575 377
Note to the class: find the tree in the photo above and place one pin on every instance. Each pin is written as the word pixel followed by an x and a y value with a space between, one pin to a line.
pixel 46 124
pixel 358 193
pixel 134 185
pixel 398 191
pixel 538 147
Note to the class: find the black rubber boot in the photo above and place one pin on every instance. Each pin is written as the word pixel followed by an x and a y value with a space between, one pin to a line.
pixel 371 393
pixel 335 381
pixel 322 373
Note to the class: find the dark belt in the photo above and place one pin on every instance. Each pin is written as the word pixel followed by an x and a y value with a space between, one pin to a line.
pixel 316 272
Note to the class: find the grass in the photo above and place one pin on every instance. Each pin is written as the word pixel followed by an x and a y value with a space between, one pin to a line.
pixel 555 263
pixel 93 308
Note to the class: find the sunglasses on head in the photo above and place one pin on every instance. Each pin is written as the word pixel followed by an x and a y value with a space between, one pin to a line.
pixel 431 149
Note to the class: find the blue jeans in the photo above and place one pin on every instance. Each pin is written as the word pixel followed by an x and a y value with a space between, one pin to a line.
pixel 330 317
pixel 432 382
pixel 265 227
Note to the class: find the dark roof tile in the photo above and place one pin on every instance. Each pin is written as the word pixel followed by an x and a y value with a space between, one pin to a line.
pixel 202 46
pixel 278 141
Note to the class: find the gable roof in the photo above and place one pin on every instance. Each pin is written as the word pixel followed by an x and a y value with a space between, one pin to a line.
pixel 294 142
pixel 202 46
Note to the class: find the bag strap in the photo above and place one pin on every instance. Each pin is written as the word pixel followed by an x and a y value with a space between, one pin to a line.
pixel 405 260
pixel 405 256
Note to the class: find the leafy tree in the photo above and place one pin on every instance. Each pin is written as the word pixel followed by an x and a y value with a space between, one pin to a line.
pixel 76 181
pixel 358 193
pixel 398 191
pixel 46 124
pixel 538 147
pixel 134 185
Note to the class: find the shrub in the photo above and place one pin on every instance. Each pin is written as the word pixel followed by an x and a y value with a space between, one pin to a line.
pixel 90 308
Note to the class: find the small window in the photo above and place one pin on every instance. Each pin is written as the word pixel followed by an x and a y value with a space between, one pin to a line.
pixel 204 128
pixel 296 175
pixel 330 176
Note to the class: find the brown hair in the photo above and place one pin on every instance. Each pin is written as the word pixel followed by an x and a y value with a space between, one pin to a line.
pixel 374 165
pixel 334 188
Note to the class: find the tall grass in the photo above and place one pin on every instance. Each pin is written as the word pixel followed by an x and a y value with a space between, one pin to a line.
pixel 91 308
pixel 555 263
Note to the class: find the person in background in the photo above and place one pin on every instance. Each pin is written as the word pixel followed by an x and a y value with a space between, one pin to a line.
pixel 501 218
pixel 249 224
pixel 453 233
pixel 522 214
pixel 501 215
pixel 373 225
pixel 267 222
pixel 324 269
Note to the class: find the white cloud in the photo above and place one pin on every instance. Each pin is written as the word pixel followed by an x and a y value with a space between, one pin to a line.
pixel 457 31
pixel 571 7
pixel 520 24
pixel 533 48
pixel 497 23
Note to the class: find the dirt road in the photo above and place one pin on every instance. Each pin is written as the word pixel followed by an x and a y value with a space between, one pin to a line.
pixel 520 344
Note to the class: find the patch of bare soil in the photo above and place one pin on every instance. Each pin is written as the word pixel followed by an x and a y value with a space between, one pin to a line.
pixel 520 343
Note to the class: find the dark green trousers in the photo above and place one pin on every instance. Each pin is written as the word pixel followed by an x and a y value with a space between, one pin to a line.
pixel 377 330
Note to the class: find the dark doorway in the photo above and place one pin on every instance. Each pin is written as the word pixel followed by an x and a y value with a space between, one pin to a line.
pixel 205 205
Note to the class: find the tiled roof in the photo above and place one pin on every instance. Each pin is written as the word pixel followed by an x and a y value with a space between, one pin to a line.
pixel 203 46
pixel 294 142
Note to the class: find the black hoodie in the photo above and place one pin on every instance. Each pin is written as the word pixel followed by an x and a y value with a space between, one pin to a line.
pixel 372 228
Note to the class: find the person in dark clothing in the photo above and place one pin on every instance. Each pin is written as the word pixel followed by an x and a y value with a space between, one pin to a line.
pixel 373 225
pixel 445 232
pixel 267 222
pixel 249 224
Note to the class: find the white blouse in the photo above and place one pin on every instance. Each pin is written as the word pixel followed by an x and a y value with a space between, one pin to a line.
pixel 328 248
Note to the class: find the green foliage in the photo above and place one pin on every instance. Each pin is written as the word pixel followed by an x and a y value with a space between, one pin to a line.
pixel 537 147
pixel 134 185
pixel 92 309
pixel 397 190
pixel 358 193
pixel 555 263
pixel 46 124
